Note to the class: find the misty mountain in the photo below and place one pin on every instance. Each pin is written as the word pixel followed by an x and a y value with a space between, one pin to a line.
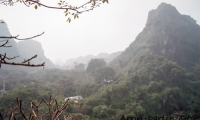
pixel 167 33
pixel 4 31
pixel 23 49
pixel 157 75
pixel 85 60
pixel 158 72
pixel 10 51
pixel 29 48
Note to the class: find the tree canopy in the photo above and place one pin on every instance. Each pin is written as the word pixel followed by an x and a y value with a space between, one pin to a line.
pixel 94 64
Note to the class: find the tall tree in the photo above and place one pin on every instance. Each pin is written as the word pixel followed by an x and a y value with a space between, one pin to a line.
pixel 105 73
pixel 94 64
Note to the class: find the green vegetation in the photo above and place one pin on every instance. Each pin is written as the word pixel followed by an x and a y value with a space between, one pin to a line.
pixel 158 74
pixel 104 73
pixel 94 64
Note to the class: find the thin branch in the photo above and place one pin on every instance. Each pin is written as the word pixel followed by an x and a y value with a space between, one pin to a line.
pixel 7 57
pixel 3 45
pixel 54 115
pixel 3 60
pixel 76 9
pixel 29 59
pixel 25 4
pixel 63 8
pixel 83 5
pixel 4 1
pixel 21 64
pixel 16 37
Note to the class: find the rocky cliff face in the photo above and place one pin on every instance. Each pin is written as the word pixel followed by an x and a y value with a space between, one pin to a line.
pixel 159 71
pixel 173 35
pixel 167 33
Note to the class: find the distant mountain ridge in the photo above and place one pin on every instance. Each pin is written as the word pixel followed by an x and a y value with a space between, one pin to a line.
pixel 85 60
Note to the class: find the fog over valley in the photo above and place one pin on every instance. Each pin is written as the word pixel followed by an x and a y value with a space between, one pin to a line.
pixel 99 59
pixel 107 29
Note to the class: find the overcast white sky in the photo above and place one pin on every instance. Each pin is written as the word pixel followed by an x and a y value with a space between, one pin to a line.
pixel 110 28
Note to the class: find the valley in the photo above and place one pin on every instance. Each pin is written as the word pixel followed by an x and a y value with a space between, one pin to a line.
pixel 156 75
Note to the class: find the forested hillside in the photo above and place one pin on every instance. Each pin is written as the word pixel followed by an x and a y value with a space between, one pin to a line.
pixel 158 74
pixel 167 33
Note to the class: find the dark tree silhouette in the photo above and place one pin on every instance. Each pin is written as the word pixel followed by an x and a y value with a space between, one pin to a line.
pixel 94 64
pixel 53 113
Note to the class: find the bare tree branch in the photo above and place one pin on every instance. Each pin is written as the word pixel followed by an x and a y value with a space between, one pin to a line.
pixel 4 58
pixel 30 2
pixel 3 45
pixel 62 5
pixel 29 59
pixel 16 37
pixel 53 115
pixel 73 11
pixel 21 64
pixel 7 57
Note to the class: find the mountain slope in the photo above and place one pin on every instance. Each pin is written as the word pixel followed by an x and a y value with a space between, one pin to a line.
pixel 167 33
pixel 155 73
pixel 30 48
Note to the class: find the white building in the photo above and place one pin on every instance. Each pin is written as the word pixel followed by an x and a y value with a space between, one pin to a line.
pixel 79 97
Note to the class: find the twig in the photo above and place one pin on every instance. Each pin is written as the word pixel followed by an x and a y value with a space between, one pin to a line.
pixel 3 45
pixel 3 60
pixel 54 115
pixel 16 37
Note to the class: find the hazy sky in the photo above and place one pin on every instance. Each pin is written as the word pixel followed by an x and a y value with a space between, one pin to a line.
pixel 109 28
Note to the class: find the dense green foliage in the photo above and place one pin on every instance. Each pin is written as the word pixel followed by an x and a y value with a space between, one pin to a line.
pixel 158 74
pixel 156 87
pixel 94 64
pixel 104 73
